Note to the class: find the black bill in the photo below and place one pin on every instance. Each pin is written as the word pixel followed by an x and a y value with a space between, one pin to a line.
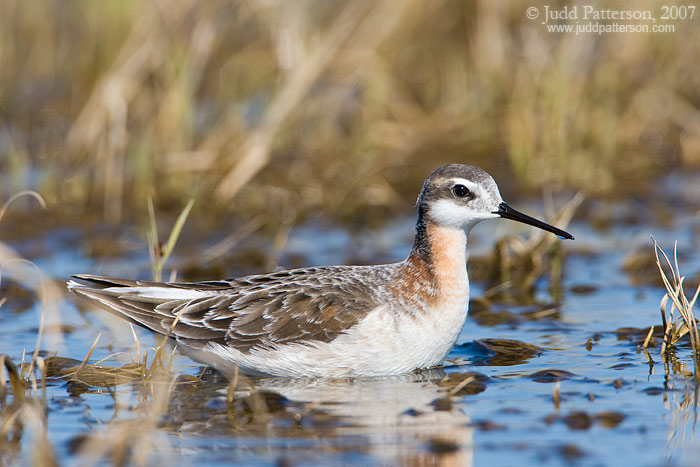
pixel 507 212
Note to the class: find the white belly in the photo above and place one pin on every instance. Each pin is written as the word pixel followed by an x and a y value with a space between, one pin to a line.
pixel 383 343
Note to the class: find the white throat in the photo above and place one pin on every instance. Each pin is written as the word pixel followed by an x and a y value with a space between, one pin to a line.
pixel 450 214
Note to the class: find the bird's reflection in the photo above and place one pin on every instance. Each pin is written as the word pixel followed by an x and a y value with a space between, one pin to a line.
pixel 406 419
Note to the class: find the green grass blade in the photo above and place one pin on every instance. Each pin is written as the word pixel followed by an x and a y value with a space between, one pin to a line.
pixel 175 233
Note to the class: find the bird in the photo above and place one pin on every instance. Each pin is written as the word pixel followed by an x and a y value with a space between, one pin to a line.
pixel 329 321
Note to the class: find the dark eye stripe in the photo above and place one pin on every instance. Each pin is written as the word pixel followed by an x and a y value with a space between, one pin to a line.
pixel 460 191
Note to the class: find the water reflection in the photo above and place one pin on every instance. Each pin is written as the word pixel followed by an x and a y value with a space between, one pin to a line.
pixel 397 420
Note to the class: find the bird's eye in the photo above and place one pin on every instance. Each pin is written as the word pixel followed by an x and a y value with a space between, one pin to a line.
pixel 460 191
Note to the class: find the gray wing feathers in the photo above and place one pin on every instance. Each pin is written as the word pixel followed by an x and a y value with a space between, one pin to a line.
pixel 255 312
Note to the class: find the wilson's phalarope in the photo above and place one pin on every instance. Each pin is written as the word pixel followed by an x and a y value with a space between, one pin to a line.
pixel 333 321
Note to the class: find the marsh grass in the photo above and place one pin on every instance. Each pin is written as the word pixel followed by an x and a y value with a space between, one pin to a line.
pixel 24 414
pixel 140 439
pixel 286 110
pixel 23 402
pixel 22 406
pixel 159 252
pixel 139 369
pixel 30 277
pixel 676 326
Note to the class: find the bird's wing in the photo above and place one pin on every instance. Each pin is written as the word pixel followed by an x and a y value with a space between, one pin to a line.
pixel 262 311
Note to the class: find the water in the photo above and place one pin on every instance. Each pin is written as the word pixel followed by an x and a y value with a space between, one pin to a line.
pixel 616 402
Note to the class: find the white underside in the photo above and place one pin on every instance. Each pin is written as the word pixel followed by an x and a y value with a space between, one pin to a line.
pixel 383 343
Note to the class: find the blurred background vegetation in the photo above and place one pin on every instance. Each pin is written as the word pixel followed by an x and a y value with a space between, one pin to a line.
pixel 289 109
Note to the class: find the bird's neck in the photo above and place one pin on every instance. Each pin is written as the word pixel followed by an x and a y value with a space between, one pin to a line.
pixel 443 250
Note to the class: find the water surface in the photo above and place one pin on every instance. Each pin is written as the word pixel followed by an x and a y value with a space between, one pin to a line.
pixel 615 401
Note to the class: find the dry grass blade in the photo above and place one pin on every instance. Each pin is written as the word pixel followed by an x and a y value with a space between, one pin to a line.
pixel 26 273
pixel 15 379
pixel 87 357
pixel 225 245
pixel 157 358
pixel 231 390
pixel 662 308
pixel 169 368
pixel 26 414
pixel 41 365
pixel 461 385
pixel 676 329
pixel 251 397
pixel 30 276
pixel 136 341
pixel 30 193
pixel 556 395
pixel 648 338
